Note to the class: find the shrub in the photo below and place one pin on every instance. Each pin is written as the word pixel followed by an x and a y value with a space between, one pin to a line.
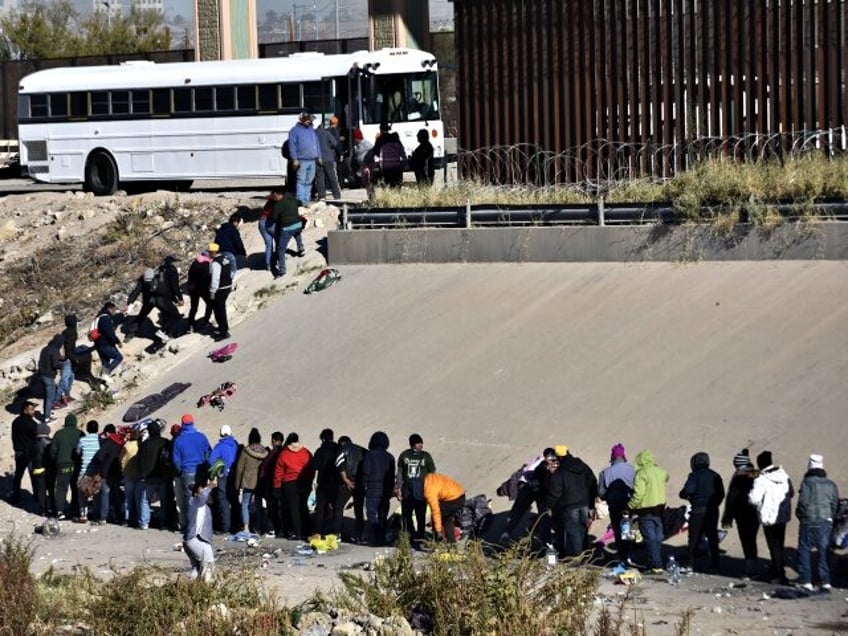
pixel 467 591
pixel 17 586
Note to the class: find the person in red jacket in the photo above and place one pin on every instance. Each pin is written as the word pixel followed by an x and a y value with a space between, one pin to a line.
pixel 294 477
pixel 445 497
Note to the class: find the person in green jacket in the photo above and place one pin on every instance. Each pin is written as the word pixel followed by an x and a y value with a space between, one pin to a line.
pixel 648 502
pixel 64 457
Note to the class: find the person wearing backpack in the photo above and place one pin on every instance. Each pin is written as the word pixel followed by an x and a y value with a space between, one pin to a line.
pixel 160 289
pixel 413 465
pixel 49 363
pixel 220 286
pixel 199 278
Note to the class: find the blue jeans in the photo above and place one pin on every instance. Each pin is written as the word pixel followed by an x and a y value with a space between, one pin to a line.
pixel 49 395
pixel 182 488
pixel 223 508
pixel 247 497
pixel 110 357
pixel 66 379
pixel 652 534
pixel 132 492
pixel 267 229
pixel 574 530
pixel 148 487
pixel 813 535
pixel 233 263
pixel 103 503
pixel 305 177
pixel 286 235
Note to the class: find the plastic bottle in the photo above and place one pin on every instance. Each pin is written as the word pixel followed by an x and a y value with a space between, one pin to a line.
pixel 672 571
pixel 626 529
pixel 551 555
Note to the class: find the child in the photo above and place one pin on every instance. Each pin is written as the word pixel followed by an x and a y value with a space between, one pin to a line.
pixel 197 541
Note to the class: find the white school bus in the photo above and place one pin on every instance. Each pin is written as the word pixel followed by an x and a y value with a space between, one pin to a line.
pixel 146 122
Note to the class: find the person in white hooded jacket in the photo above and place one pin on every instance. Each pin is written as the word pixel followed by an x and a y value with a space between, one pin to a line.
pixel 771 494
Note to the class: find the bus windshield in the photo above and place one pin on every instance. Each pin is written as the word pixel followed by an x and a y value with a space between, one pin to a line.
pixel 399 98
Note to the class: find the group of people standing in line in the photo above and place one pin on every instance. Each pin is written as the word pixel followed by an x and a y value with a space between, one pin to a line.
pixel 565 488
pixel 203 488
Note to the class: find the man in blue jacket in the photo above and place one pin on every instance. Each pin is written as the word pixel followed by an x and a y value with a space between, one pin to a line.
pixel 107 342
pixel 191 448
pixel 304 151
pixel 228 238
pixel 226 451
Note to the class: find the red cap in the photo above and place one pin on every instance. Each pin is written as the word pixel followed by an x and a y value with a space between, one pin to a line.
pixel 188 419
pixel 175 430
pixel 357 134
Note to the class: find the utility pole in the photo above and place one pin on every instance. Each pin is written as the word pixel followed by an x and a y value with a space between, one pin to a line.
pixel 337 19
pixel 315 17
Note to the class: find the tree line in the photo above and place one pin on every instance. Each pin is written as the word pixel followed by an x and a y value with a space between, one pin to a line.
pixel 41 30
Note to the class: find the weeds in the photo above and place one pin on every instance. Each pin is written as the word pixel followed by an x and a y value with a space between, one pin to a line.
pixel 97 400
pixel 17 586
pixel 467 591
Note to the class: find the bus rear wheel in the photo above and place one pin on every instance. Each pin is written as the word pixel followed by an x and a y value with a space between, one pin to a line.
pixel 101 174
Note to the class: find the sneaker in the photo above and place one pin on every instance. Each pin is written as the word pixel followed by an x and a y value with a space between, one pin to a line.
pixel 656 571
pixel 52 418
pixel 301 253
pixel 807 586
pixel 80 520
pixel 68 399
pixel 61 516
pixel 39 471
pixel 270 534
pixel 60 404
pixel 827 587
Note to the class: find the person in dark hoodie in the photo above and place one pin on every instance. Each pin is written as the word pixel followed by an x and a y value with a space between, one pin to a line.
pixel 152 472
pixel 49 363
pixel 272 496
pixel 327 480
pixel 226 450
pixel 771 495
pixel 228 238
pixel 197 285
pixel 571 499
pixel 349 466
pixel 24 440
pixel 737 508
pixel 72 355
pixel 704 490
pixel 160 289
pixel 246 478
pixel 105 463
pixel 615 486
pixel 107 342
pixel 818 501
pixel 378 475
pixel 63 456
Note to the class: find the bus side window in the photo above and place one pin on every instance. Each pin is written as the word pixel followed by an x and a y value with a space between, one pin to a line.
pixel 312 96
pixel 182 100
pixel 161 101
pixel 203 99
pixel 79 105
pixel 246 98
pixel 225 98
pixel 120 102
pixel 59 105
pixel 100 103
pixel 269 98
pixel 291 95
pixel 141 102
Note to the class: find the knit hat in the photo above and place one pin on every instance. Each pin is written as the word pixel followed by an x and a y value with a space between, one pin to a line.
pixel 764 460
pixel 176 429
pixel 742 459
pixel 188 418
pixel 213 248
pixel 357 135
pixel 815 461
pixel 414 439
pixel 617 452
pixel 561 450
pixel 225 431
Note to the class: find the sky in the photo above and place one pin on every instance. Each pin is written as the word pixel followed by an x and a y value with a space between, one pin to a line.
pixel 441 11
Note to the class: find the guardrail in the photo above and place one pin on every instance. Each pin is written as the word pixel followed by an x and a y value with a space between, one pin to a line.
pixel 598 214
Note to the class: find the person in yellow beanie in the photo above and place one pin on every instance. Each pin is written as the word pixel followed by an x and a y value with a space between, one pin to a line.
pixel 445 497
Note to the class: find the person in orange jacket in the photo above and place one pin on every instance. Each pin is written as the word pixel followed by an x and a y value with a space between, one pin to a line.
pixel 445 497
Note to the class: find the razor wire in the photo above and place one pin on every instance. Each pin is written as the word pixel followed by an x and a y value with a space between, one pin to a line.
pixel 599 164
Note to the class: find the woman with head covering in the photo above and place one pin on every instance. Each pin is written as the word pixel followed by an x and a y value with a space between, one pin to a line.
pixel 737 508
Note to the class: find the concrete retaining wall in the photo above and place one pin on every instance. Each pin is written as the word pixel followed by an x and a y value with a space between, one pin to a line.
pixel 789 241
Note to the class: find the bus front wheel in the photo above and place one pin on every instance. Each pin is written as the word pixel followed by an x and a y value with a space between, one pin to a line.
pixel 101 174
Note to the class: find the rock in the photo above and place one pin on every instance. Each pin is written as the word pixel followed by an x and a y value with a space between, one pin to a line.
pixel 44 319
pixel 61 233
pixel 8 231
pixel 315 624
pixel 348 628
pixel 396 626
pixel 88 213
pixel 318 223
